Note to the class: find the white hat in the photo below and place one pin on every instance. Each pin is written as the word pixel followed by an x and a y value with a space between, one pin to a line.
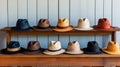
pixel 54 48
pixel 83 24
pixel 74 48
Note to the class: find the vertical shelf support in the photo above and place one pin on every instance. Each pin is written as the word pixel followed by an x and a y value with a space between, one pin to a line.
pixel 113 36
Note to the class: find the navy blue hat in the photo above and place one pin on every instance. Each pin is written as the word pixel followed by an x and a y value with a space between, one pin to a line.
pixel 92 48
pixel 12 48
pixel 22 25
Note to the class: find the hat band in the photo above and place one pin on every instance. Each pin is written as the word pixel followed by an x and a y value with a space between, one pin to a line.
pixel 13 49
pixel 43 27
pixel 62 27
pixel 54 50
pixel 32 50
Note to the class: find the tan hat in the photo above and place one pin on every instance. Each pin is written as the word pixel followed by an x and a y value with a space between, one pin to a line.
pixel 112 48
pixel 74 48
pixel 83 24
pixel 63 25
pixel 54 48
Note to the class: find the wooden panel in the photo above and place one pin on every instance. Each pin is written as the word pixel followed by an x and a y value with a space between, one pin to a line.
pixel 64 13
pixel 22 14
pixel 42 13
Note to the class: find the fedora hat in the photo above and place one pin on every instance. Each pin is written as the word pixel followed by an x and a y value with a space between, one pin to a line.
pixel 43 24
pixel 33 47
pixel 103 24
pixel 92 48
pixel 83 24
pixel 54 48
pixel 112 48
pixel 74 48
pixel 13 48
pixel 63 25
pixel 21 25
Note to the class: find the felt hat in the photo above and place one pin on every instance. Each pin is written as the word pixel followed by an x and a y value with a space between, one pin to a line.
pixel 63 25
pixel 54 48
pixel 112 48
pixel 92 48
pixel 43 24
pixel 13 48
pixel 83 24
pixel 74 48
pixel 33 47
pixel 103 24
pixel 22 25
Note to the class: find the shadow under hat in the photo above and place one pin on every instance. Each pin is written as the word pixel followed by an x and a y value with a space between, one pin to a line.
pixel 92 48
pixel 13 48
pixel 21 25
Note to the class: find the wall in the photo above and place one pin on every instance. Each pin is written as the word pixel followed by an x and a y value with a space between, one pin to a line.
pixel 33 10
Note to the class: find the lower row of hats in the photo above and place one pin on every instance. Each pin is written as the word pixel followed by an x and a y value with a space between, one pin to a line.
pixel 54 48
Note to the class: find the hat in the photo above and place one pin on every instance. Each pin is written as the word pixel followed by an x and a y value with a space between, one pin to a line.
pixel 63 25
pixel 54 48
pixel 83 24
pixel 43 24
pixel 21 25
pixel 92 48
pixel 13 48
pixel 33 47
pixel 74 48
pixel 103 24
pixel 112 48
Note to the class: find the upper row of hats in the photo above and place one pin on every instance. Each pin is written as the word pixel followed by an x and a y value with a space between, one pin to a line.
pixel 63 25
pixel 54 48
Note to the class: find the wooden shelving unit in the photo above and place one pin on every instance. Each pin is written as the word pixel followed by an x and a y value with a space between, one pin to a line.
pixel 63 59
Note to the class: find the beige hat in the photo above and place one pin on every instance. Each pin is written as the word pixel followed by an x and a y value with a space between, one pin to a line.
pixel 74 48
pixel 63 25
pixel 112 48
pixel 83 24
pixel 54 48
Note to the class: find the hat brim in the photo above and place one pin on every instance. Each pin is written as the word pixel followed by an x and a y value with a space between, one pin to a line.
pixel 18 29
pixel 47 52
pixel 41 29
pixel 97 28
pixel 109 52
pixel 88 52
pixel 77 28
pixel 74 52
pixel 63 30
pixel 4 51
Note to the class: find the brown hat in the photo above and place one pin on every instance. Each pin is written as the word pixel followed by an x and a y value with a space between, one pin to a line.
pixel 33 47
pixel 74 48
pixel 43 24
pixel 112 48
pixel 63 25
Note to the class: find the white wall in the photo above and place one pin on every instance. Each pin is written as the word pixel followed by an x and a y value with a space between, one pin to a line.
pixel 33 10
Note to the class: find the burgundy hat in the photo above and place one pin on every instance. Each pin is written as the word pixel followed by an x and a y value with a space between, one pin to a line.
pixel 103 24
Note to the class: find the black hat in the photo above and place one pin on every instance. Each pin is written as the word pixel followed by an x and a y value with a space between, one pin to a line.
pixel 92 48
pixel 13 48
pixel 22 25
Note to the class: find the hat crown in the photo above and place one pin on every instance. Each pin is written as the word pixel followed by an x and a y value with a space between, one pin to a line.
pixel 83 23
pixel 22 24
pixel 113 46
pixel 54 45
pixel 103 23
pixel 43 23
pixel 93 46
pixel 33 45
pixel 13 44
pixel 73 46
pixel 63 22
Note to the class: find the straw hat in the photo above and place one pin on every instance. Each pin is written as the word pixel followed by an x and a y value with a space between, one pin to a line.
pixel 54 48
pixel 112 48
pixel 83 24
pixel 74 48
pixel 103 24
pixel 63 25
